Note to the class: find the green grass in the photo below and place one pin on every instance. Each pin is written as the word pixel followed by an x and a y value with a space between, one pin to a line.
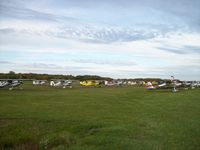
pixel 108 118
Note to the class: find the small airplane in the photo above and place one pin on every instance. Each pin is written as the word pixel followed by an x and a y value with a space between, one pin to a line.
pixel 113 82
pixel 151 86
pixel 109 83
pixel 61 83
pixel 39 82
pixel 131 83
pixel 119 82
pixel 11 83
pixel 191 84
pixel 163 85
pixel 195 84
pixel 187 83
pixel 91 83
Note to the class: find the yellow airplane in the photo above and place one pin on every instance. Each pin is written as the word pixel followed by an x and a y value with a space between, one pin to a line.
pixel 90 83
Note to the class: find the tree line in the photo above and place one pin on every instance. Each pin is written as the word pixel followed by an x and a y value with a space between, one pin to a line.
pixel 13 75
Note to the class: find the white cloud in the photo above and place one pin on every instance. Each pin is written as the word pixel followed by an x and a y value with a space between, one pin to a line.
pixel 68 41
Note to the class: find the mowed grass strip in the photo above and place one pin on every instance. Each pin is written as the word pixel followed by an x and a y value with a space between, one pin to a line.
pixel 108 118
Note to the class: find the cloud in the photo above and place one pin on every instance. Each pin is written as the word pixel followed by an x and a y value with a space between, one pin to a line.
pixel 187 70
pixel 83 33
pixel 103 61
pixel 194 49
pixel 172 50
pixel 114 38
pixel 7 30
pixel 182 50
pixel 93 34
pixel 5 62
pixel 21 13
pixel 176 12
pixel 29 20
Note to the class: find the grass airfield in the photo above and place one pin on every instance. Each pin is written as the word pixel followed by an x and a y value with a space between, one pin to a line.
pixel 107 118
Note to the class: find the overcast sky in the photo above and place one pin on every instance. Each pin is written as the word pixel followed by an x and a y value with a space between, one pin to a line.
pixel 113 38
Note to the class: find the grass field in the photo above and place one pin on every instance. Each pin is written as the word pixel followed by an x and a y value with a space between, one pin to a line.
pixel 108 118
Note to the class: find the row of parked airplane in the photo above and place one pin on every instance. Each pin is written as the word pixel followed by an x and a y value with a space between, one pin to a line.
pixel 54 83
pixel 174 84
pixel 11 83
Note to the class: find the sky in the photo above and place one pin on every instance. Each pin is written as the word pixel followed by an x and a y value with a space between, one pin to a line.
pixel 110 38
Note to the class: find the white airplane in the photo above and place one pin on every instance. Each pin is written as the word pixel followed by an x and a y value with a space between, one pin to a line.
pixel 176 84
pixel 113 82
pixel 10 83
pixel 119 82
pixel 195 84
pixel 187 83
pixel 132 83
pixel 61 83
pixel 192 84
pixel 109 83
pixel 150 86
pixel 39 82
pixel 173 85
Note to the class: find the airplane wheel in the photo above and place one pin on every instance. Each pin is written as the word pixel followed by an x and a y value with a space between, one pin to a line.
pixel 10 89
pixel 64 87
pixel 70 87
pixel 174 90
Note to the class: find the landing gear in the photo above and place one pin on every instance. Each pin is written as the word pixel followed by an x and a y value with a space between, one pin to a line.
pixel 65 87
pixel 174 90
